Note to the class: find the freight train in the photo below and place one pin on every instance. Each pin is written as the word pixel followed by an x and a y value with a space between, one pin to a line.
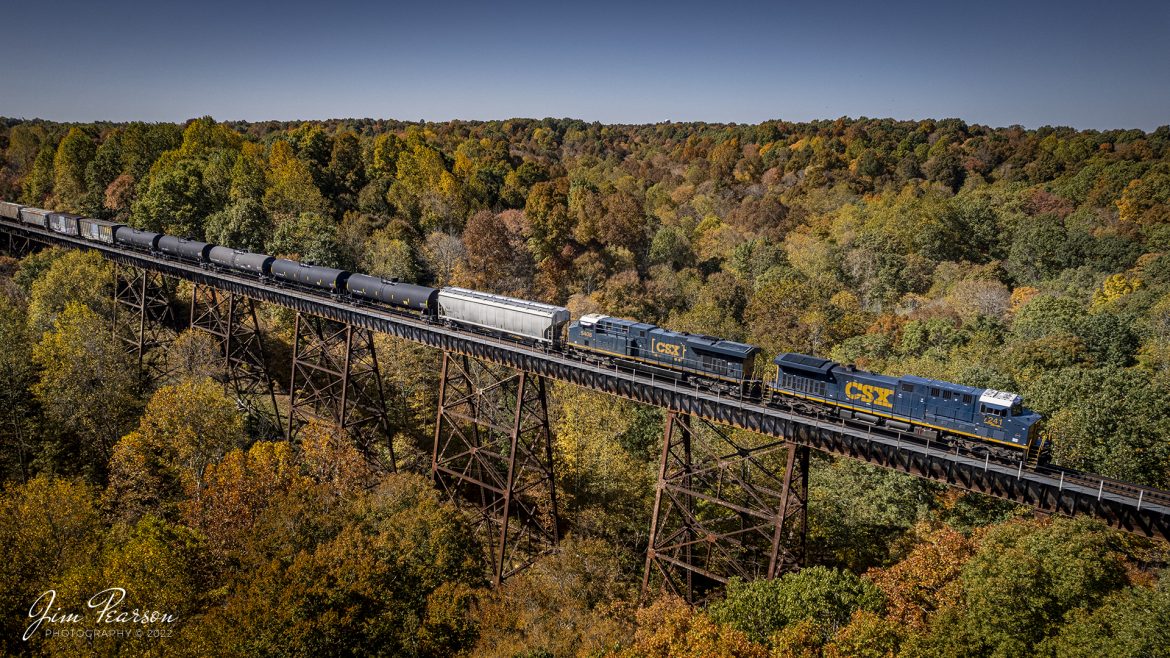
pixel 985 420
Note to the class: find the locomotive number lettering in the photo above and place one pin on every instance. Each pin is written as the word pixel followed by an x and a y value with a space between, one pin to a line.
pixel 994 421
pixel 869 394
pixel 669 349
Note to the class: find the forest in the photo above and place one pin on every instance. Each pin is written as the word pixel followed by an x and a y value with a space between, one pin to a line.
pixel 1028 260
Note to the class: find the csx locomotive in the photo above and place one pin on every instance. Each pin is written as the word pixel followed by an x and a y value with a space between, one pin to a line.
pixel 984 419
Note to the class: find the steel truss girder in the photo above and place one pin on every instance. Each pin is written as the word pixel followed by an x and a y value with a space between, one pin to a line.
pixel 493 448
pixel 724 508
pixel 335 377
pixel 1140 510
pixel 231 320
pixel 143 316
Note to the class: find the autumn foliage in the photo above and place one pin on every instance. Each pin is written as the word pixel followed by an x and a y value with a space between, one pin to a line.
pixel 1036 261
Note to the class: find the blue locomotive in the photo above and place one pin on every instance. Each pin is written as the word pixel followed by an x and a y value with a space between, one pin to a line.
pixel 996 420
pixel 655 348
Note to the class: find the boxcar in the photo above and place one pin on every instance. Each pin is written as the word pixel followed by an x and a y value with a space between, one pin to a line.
pixel 316 276
pixel 98 230
pixel 394 293
pixel 136 238
pixel 9 210
pixel 64 223
pixel 695 354
pixel 181 248
pixel 536 321
pixel 34 216
pixel 240 260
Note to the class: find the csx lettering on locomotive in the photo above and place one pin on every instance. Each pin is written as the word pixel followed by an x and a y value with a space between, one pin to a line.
pixel 869 394
pixel 669 349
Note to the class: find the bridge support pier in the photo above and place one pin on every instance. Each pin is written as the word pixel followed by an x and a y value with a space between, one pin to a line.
pixel 231 320
pixel 19 245
pixel 724 507
pixel 493 447
pixel 335 377
pixel 143 317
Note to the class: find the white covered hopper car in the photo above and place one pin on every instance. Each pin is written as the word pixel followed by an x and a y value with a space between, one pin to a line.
pixel 534 321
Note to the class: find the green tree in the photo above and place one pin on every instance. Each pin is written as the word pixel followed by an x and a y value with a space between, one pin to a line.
pixel 347 174
pixel 671 247
pixel 160 566
pixel 826 596
pixel 249 174
pixel 243 225
pixel 74 154
pixel 17 418
pixel 518 183
pixel 1132 622
pixel 390 258
pixel 38 185
pixel 88 385
pixel 143 143
pixel 602 452
pixel 859 512
pixel 310 238
pixel 1111 421
pixel 787 316
pixel 101 173
pixel 1025 578
pixel 1039 250
pixel 177 197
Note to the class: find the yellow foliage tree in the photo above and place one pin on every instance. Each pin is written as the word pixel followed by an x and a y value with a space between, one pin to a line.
pixel 1114 288
pixel 73 276
pixel 669 628
pixel 185 428
pixel 291 190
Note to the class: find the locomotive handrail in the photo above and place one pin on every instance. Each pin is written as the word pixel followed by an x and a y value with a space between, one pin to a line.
pixel 1145 510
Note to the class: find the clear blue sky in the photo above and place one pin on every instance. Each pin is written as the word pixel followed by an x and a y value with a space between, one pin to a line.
pixel 1102 64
